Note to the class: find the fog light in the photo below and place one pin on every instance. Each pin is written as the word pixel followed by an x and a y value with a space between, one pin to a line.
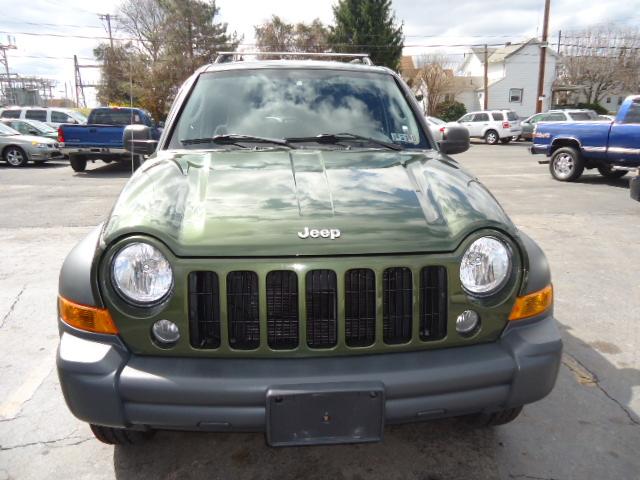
pixel 166 333
pixel 467 322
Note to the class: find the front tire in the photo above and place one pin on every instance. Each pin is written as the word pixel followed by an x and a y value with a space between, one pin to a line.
pixel 120 436
pixel 15 157
pixel 78 163
pixel 566 164
pixel 607 172
pixel 491 137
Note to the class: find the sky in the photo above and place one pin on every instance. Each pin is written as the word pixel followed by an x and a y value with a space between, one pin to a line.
pixel 56 28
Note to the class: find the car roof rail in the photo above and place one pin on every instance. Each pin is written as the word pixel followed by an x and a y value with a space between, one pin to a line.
pixel 225 57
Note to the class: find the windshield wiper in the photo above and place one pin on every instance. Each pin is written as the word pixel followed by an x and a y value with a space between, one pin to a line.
pixel 334 138
pixel 235 139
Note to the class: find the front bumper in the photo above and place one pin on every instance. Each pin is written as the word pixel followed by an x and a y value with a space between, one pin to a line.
pixel 42 154
pixel 103 383
pixel 634 187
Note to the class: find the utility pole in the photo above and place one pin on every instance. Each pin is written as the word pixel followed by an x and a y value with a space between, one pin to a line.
pixel 559 39
pixel 9 94
pixel 486 77
pixel 79 86
pixel 543 56
pixel 107 18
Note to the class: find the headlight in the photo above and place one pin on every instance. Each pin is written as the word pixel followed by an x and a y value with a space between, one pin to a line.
pixel 141 274
pixel 40 145
pixel 485 266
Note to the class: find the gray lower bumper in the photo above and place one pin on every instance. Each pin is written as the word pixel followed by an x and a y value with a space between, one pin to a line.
pixel 104 384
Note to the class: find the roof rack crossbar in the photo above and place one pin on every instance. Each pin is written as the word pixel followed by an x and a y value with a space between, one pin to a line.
pixel 226 56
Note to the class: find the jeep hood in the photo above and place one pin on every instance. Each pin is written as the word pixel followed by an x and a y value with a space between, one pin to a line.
pixel 243 204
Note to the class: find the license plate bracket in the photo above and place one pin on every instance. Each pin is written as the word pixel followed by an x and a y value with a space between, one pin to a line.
pixel 323 414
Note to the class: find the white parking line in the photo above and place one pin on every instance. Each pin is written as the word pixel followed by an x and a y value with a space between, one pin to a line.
pixel 14 401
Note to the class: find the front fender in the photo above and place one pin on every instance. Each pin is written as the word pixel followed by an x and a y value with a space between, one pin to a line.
pixel 77 280
pixel 538 273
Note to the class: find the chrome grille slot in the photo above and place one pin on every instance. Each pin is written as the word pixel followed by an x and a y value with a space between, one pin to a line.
pixel 204 310
pixel 433 303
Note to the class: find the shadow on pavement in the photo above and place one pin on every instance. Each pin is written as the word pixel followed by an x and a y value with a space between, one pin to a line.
pixel 598 179
pixel 106 170
pixel 433 450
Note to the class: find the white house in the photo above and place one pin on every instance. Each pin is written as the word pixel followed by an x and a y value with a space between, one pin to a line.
pixel 513 77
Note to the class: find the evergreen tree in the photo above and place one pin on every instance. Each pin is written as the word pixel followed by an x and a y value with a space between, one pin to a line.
pixel 368 26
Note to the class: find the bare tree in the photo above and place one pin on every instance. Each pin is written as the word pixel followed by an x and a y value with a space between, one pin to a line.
pixel 434 79
pixel 145 20
pixel 602 61
pixel 276 35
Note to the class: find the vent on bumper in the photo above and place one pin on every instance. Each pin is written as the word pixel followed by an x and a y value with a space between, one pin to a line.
pixel 360 307
pixel 282 310
pixel 397 305
pixel 322 309
pixel 242 310
pixel 204 310
pixel 433 303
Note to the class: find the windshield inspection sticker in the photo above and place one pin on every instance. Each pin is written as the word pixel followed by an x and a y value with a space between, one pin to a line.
pixel 403 137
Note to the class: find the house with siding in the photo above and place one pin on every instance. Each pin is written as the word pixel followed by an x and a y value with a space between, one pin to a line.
pixel 513 77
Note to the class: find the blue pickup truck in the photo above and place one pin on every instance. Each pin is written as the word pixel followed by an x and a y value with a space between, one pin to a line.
pixel 102 137
pixel 611 147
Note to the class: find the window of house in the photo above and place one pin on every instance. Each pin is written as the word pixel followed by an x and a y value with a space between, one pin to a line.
pixel 515 95
pixel 608 100
pixel 36 115
pixel 620 100
pixel 11 114
pixel 481 117
pixel 497 116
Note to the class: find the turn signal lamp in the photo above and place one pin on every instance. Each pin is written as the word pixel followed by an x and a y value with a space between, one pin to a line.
pixel 83 317
pixel 532 304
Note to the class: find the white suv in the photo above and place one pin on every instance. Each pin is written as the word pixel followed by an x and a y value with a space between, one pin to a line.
pixel 492 125
pixel 54 117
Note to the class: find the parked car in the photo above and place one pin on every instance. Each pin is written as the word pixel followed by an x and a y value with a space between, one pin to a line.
pixel 31 127
pixel 438 127
pixel 611 147
pixel 492 125
pixel 102 137
pixel 260 271
pixel 556 116
pixel 18 150
pixel 54 117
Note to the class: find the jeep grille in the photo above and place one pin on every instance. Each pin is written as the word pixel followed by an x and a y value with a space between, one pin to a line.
pixel 320 328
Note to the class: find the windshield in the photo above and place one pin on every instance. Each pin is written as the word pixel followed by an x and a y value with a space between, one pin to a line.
pixel 6 130
pixel 43 127
pixel 78 116
pixel 436 121
pixel 285 103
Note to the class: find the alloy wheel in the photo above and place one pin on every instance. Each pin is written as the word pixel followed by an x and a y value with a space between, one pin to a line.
pixel 563 165
pixel 15 157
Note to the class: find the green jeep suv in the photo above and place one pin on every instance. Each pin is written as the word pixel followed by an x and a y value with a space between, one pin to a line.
pixel 299 257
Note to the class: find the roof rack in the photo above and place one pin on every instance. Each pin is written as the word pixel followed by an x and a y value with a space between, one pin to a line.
pixel 224 57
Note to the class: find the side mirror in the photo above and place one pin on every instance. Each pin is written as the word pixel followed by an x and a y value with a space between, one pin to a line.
pixel 455 139
pixel 137 140
pixel 34 132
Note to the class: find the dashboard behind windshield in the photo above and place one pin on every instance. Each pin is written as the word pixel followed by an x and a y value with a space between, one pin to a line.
pixel 282 103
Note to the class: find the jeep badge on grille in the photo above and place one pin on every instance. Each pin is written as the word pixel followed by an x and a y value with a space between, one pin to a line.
pixel 331 233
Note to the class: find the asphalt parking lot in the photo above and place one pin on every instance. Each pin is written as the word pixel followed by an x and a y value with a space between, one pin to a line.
pixel 589 427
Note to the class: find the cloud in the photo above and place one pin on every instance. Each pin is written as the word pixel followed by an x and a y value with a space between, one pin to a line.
pixel 425 23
